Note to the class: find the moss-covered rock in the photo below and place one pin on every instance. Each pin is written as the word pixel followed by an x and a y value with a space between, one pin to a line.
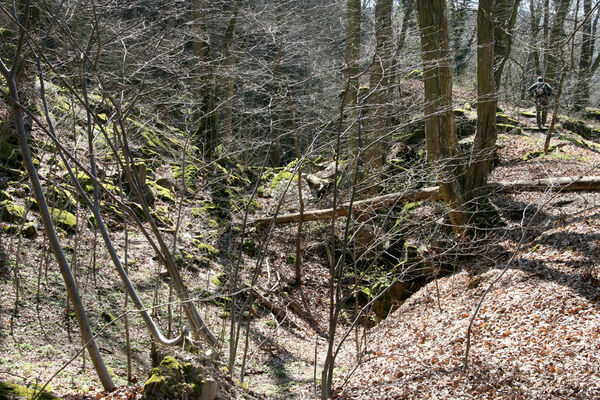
pixel 502 118
pixel 30 230
pixel 64 219
pixel 509 128
pixel 203 209
pixel 10 155
pixel 527 114
pixel 191 172
pixel 161 192
pixel 580 127
pixel 85 181
pixel 12 212
pixel 162 216
pixel 10 229
pixel 63 197
pixel 593 113
pixel 173 380
pixel 4 195
pixel 11 391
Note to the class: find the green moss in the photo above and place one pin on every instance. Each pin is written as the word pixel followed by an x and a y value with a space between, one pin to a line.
pixel 249 247
pixel 161 192
pixel 414 74
pixel 4 195
pixel 172 380
pixel 509 128
pixel 12 212
pixel 284 176
pixel 527 114
pixel 593 113
pixel 64 219
pixel 162 216
pixel 10 155
pixel 30 230
pixel 10 391
pixel 191 172
pixel 205 248
pixel 532 154
pixel 10 229
pixel 218 279
pixel 85 181
pixel 580 127
pixel 63 197
pixel 502 118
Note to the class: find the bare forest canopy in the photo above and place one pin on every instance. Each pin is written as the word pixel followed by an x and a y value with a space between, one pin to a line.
pixel 160 162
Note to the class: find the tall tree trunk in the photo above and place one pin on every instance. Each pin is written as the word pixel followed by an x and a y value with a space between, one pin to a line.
pixel 208 116
pixel 379 86
pixel 353 15
pixel 533 62
pixel 440 133
pixel 582 93
pixel 505 15
pixel 545 32
pixel 557 34
pixel 408 7
pixel 485 137
pixel 228 64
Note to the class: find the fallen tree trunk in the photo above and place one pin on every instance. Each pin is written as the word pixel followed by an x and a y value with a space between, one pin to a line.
pixel 570 184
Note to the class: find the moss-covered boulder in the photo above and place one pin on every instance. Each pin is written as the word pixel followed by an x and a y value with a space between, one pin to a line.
pixel 580 127
pixel 10 155
pixel 12 212
pixel 11 391
pixel 30 230
pixel 161 192
pixel 63 197
pixel 64 219
pixel 4 195
pixel 191 173
pixel 502 118
pixel 85 181
pixel 593 113
pixel 174 380
pixel 162 216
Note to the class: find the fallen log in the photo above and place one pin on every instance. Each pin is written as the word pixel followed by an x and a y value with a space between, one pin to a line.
pixel 374 203
pixel 571 184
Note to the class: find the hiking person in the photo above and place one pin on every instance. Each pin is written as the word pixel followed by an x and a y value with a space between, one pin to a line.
pixel 541 91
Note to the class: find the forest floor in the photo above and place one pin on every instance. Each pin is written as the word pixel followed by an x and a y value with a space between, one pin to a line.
pixel 535 337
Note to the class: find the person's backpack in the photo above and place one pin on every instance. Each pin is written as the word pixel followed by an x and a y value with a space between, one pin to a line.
pixel 540 90
pixel 541 95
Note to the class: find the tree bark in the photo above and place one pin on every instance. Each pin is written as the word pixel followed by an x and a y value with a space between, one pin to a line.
pixel 352 69
pixel 378 103
pixel 505 15
pixel 485 137
pixel 557 33
pixel 582 93
pixel 440 133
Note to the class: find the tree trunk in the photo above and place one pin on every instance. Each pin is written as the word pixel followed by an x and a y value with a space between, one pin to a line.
pixel 352 69
pixel 534 55
pixel 378 103
pixel 440 134
pixel 555 39
pixel 505 15
pixel 207 99
pixel 485 137
pixel 582 93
